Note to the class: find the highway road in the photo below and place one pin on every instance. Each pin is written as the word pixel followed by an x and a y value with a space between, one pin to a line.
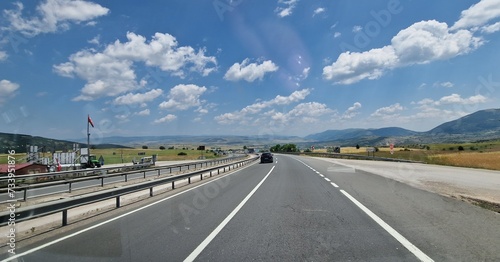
pixel 296 209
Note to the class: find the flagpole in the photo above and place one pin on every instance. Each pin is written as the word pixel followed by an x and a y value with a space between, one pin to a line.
pixel 88 138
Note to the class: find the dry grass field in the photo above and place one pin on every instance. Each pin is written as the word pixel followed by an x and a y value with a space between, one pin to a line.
pixel 486 160
pixel 484 155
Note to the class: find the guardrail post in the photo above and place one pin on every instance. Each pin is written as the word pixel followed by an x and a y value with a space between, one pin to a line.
pixel 25 197
pixel 117 201
pixel 210 173
pixel 102 181
pixel 201 176
pixel 65 217
pixel 150 191
pixel 173 185
pixel 144 172
pixel 189 180
pixel 69 189
pixel 158 172
pixel 126 178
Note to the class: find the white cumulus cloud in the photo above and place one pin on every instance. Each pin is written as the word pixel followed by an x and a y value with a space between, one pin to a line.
pixel 478 14
pixel 53 15
pixel 111 72
pixel 318 11
pixel 249 71
pixel 285 7
pixel 138 98
pixel 7 90
pixel 165 119
pixel 421 43
pixel 183 97
pixel 352 111
pixel 490 29
pixel 144 112
pixel 247 112
pixel 388 111
pixel 457 99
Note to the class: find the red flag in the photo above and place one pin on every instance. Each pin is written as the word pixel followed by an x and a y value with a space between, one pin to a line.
pixel 90 121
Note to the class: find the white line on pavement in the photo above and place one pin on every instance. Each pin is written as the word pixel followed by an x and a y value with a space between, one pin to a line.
pixel 112 219
pixel 412 248
pixel 216 231
pixel 334 185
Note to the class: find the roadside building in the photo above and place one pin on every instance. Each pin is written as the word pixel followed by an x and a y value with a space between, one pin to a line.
pixel 24 169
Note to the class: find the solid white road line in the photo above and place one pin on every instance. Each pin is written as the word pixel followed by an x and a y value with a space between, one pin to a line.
pixel 216 231
pixel 412 248
pixel 112 219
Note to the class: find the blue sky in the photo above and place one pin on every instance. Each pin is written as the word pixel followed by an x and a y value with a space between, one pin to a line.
pixel 279 67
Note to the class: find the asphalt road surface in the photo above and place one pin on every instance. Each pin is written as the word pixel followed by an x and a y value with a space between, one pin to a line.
pixel 296 209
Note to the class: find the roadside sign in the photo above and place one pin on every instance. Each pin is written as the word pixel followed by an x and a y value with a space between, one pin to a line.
pixel 392 148
pixel 370 149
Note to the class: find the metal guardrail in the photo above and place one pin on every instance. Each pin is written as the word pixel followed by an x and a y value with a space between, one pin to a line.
pixel 48 208
pixel 70 182
pixel 353 156
pixel 97 171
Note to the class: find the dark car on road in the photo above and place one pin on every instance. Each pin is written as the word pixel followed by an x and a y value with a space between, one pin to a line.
pixel 266 158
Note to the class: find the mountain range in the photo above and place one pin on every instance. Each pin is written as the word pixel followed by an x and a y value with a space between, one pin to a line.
pixel 481 125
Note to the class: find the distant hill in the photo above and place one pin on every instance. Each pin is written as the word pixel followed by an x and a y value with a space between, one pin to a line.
pixel 484 124
pixel 479 122
pixel 20 143
pixel 219 140
pixel 347 134
pixel 481 125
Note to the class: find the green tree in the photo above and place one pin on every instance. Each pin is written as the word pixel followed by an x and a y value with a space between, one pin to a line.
pixel 276 148
pixel 284 148
pixel 289 148
pixel 162 148
pixel 144 147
